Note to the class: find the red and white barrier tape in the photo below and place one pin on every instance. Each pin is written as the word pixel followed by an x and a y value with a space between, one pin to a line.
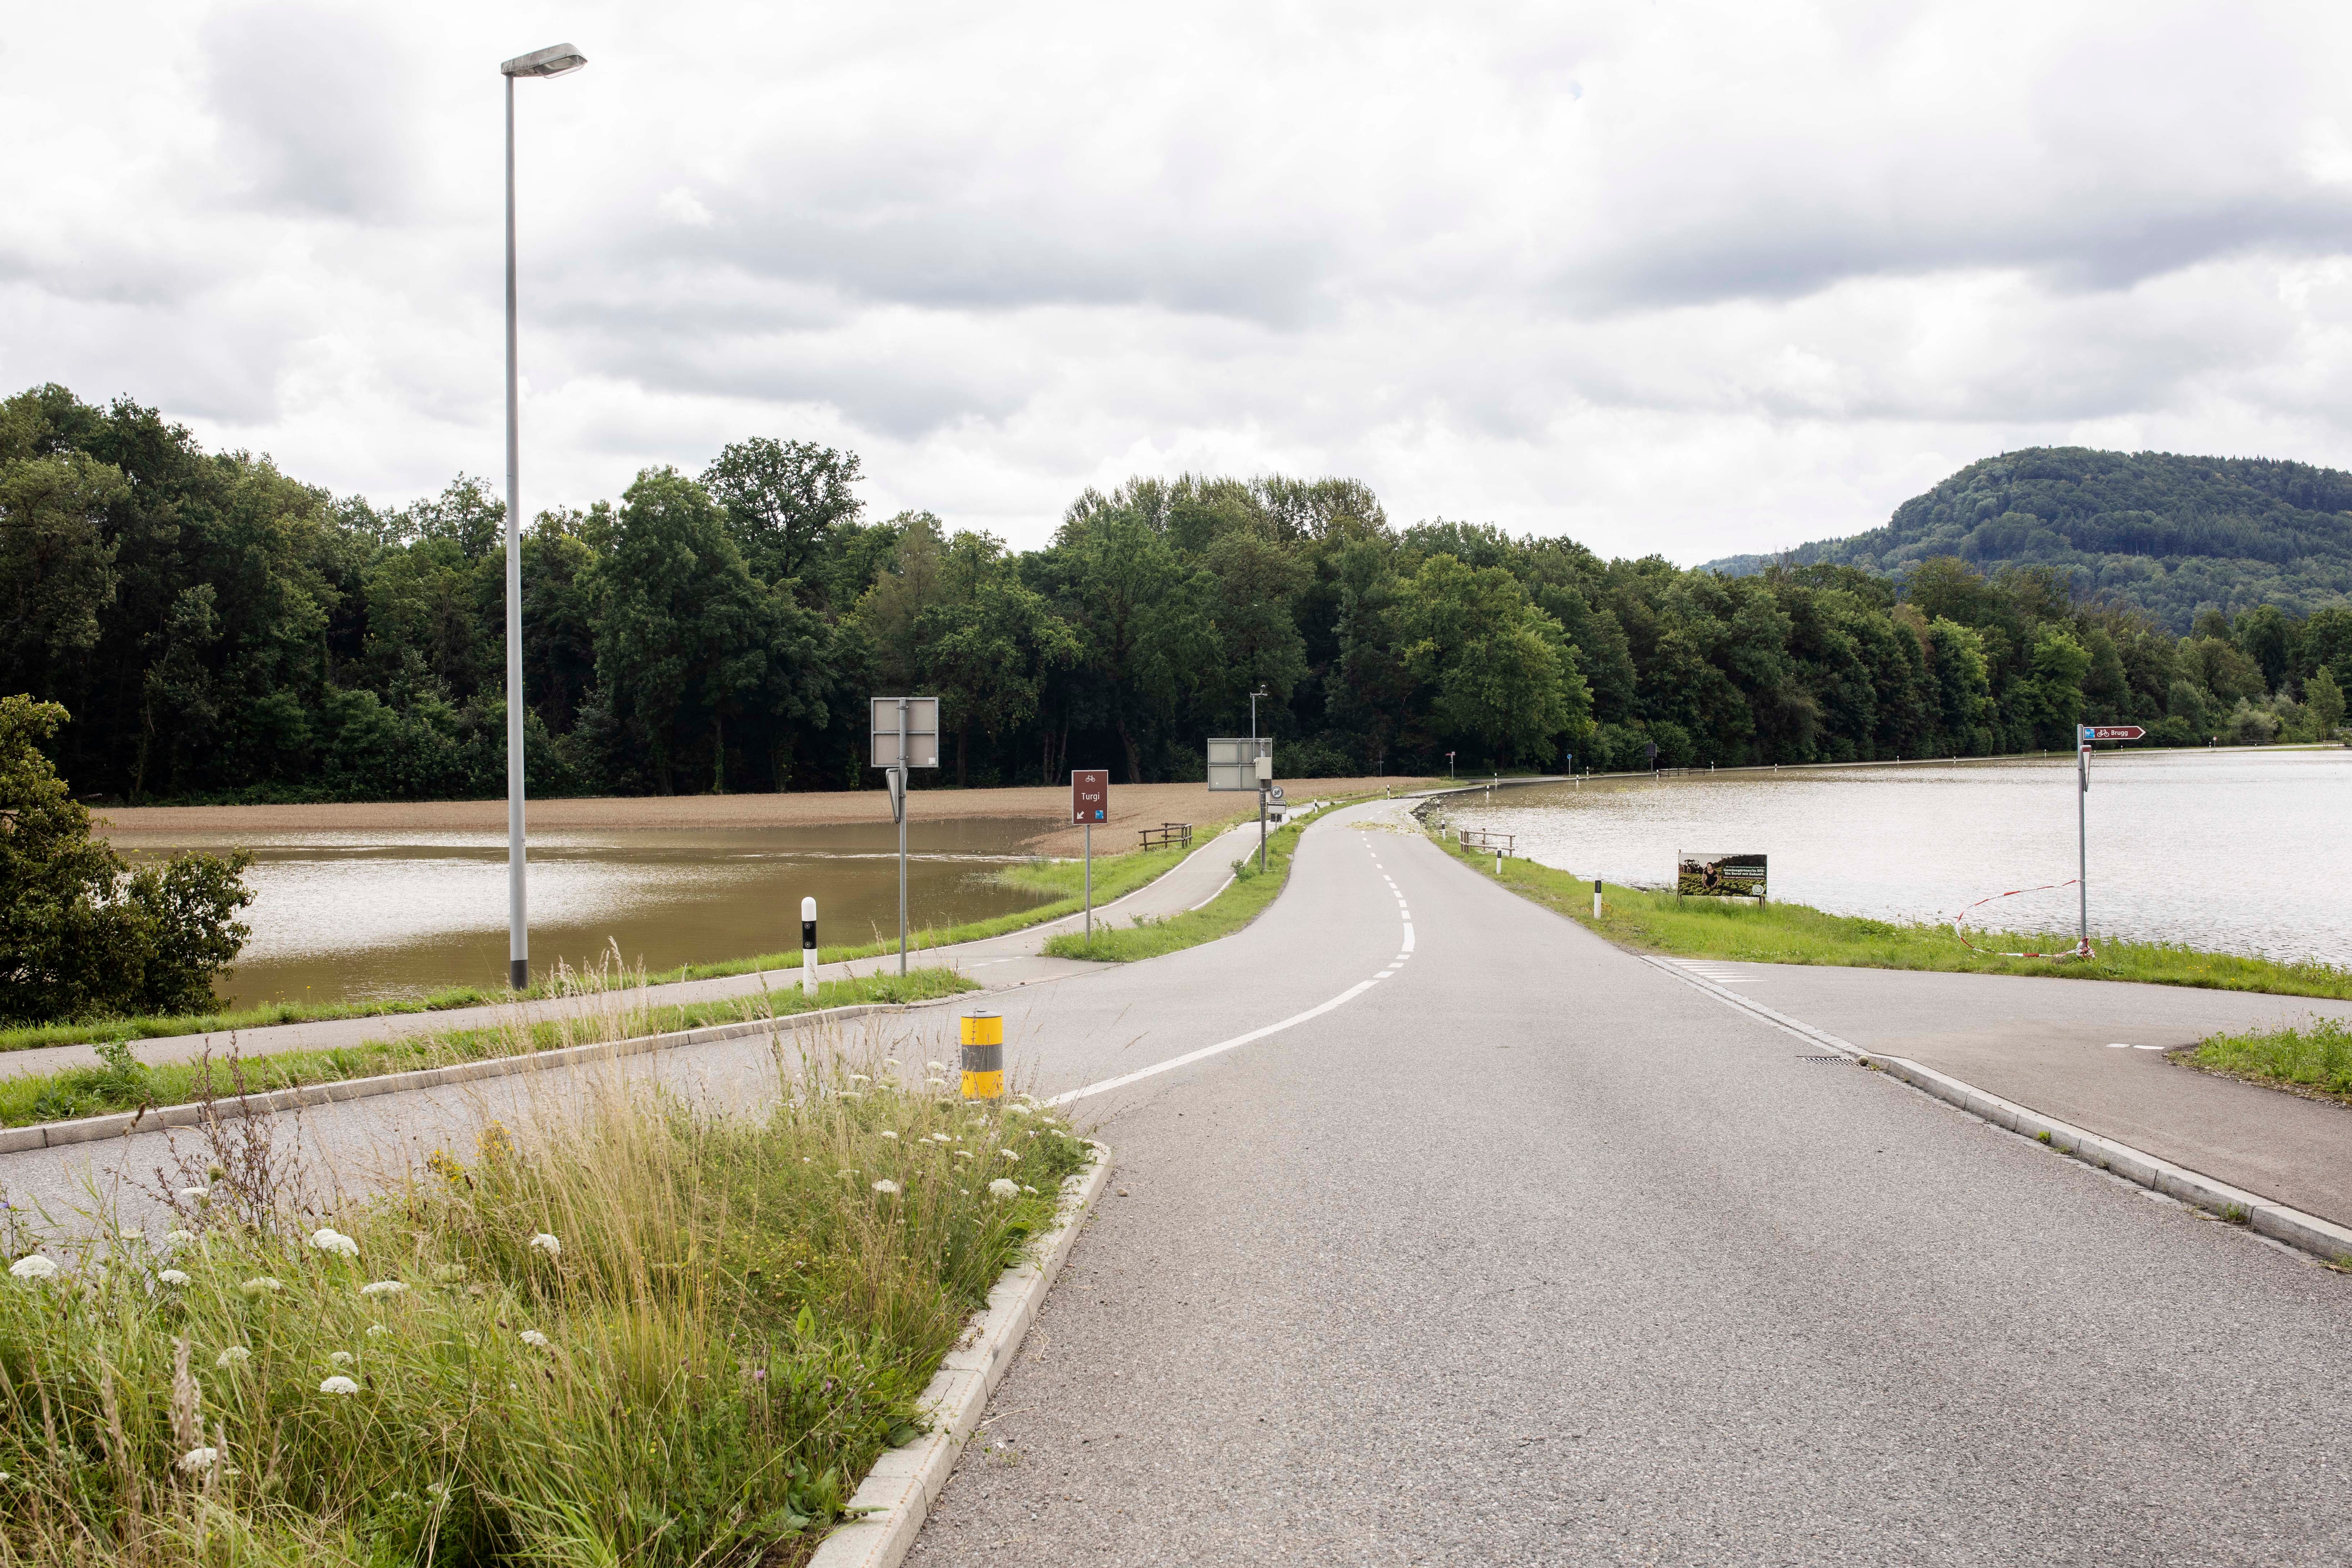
pixel 2081 950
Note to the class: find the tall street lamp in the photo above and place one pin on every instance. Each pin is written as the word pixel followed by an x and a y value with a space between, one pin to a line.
pixel 554 61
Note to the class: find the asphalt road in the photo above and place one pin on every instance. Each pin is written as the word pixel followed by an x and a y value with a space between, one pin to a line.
pixel 1506 1246
pixel 2100 1054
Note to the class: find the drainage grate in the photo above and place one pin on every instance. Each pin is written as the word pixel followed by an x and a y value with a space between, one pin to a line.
pixel 1825 1058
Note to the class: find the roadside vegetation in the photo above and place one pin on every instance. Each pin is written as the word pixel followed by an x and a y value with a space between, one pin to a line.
pixel 1116 876
pixel 1233 908
pixel 649 1334
pixel 122 1082
pixel 1780 932
pixel 2316 1060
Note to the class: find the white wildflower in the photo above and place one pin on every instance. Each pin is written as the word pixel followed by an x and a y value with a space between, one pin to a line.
pixel 885 1186
pixel 181 1238
pixel 196 1459
pixel 384 1288
pixel 231 1356
pixel 937 1066
pixel 545 1243
pixel 1016 1111
pixel 377 1331
pixel 131 1233
pixel 262 1285
pixel 851 1094
pixel 172 1276
pixel 892 1136
pixel 1030 1190
pixel 536 1340
pixel 890 1061
pixel 962 1153
pixel 193 1194
pixel 33 1266
pixel 941 1138
pixel 339 1386
pixel 859 1077
pixel 1003 1188
pixel 847 1173
pixel 335 1241
pixel 1010 1154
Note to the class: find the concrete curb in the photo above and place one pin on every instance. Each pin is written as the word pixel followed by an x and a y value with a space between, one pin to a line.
pixel 88 1129
pixel 2323 1239
pixel 906 1482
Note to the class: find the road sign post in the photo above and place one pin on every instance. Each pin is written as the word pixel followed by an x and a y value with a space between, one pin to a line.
pixel 1090 804
pixel 2089 732
pixel 904 733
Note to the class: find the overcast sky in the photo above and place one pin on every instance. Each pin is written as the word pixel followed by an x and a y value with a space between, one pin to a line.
pixel 1692 276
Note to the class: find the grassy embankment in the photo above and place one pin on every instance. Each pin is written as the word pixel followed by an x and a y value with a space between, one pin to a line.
pixel 1231 909
pixel 1780 932
pixel 649 1334
pixel 2316 1061
pixel 122 1083
pixel 1114 876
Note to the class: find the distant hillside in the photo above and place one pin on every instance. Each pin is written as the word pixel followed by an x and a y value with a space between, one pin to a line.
pixel 2172 534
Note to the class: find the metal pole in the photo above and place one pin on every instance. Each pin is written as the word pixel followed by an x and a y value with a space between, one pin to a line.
pixel 2083 843
pixel 1261 827
pixel 1090 881
pixel 517 925
pixel 905 778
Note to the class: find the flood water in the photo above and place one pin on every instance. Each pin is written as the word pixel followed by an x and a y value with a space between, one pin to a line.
pixel 2239 851
pixel 344 915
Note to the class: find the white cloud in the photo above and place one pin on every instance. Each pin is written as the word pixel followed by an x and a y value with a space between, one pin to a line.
pixel 1691 278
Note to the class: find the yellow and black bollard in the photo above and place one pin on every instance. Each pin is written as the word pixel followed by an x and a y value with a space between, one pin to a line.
pixel 983 1056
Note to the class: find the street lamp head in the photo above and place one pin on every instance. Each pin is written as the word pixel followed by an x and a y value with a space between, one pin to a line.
pixel 556 59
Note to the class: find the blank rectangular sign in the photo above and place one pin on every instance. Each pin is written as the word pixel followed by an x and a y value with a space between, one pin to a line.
pixel 1233 760
pixel 922 732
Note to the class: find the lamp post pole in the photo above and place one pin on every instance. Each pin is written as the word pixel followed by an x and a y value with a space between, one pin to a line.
pixel 554 61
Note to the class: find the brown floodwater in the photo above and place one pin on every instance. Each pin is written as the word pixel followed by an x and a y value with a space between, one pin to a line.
pixel 347 915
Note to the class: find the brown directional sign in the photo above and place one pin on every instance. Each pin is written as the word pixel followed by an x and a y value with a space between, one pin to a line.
pixel 2111 733
pixel 1089 795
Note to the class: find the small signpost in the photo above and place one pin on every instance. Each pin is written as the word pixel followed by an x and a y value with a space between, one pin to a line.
pixel 905 733
pixel 2089 732
pixel 1090 804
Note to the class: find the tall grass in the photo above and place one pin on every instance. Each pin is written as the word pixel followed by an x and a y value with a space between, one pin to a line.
pixel 645 1332
pixel 1779 933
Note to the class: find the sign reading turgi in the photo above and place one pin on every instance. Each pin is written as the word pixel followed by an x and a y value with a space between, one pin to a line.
pixel 1703 876
pixel 1090 795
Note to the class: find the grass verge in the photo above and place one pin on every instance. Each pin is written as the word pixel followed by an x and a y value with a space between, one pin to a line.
pixel 1116 876
pixel 648 1335
pixel 1778 932
pixel 1231 910
pixel 2316 1061
pixel 121 1082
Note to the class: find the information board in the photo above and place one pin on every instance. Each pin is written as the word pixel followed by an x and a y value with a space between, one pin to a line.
pixel 1233 760
pixel 1701 876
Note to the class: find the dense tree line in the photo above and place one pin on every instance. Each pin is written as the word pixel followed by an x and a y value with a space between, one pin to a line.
pixel 2167 533
pixel 219 630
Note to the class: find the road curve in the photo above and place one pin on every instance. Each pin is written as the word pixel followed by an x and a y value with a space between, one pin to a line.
pixel 1529 1253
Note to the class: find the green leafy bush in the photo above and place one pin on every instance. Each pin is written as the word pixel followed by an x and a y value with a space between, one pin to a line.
pixel 82 934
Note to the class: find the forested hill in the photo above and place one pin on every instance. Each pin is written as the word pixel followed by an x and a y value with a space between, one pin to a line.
pixel 2169 534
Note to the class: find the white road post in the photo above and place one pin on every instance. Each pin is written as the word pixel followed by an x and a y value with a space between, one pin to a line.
pixel 808 948
pixel 1596 897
